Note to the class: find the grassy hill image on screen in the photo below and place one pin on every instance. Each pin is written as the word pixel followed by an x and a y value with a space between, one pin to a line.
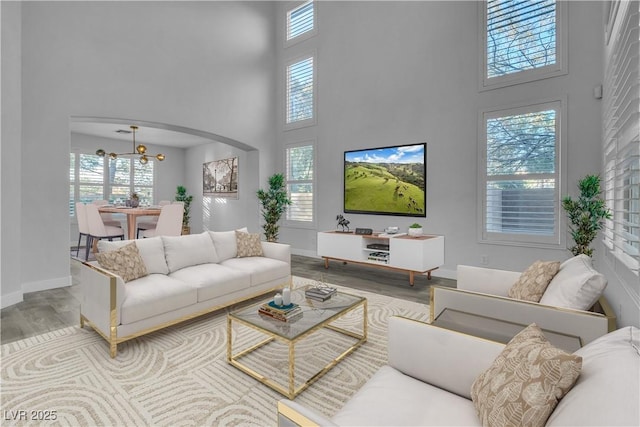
pixel 389 180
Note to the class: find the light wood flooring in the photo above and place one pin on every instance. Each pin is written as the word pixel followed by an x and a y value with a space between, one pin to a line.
pixel 54 309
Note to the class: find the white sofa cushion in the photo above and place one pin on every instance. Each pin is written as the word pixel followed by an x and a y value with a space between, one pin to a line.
pixel 225 243
pixel 151 250
pixel 608 389
pixel 192 249
pixel 213 280
pixel 153 295
pixel 390 398
pixel 577 285
pixel 261 269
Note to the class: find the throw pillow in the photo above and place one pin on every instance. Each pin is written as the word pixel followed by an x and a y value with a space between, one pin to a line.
pixel 126 262
pixel 577 285
pixel 534 281
pixel 248 244
pixel 525 382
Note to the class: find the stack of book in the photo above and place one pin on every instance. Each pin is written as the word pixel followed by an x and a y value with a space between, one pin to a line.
pixel 382 257
pixel 285 313
pixel 320 293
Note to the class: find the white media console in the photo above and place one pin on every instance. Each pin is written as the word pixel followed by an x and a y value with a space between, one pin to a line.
pixel 421 254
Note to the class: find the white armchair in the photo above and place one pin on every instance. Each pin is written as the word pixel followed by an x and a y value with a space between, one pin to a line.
pixel 484 291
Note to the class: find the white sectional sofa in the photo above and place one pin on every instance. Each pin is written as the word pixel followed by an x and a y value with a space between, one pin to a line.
pixel 187 276
pixel 572 303
pixel 430 373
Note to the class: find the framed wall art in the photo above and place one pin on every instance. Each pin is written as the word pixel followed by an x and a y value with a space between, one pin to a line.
pixel 220 178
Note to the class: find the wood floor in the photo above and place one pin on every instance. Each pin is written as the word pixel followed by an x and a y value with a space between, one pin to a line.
pixel 54 309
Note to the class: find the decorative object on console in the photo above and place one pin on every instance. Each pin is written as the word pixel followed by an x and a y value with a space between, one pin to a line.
pixel 586 214
pixel 182 196
pixel 140 150
pixel 364 231
pixel 415 230
pixel 220 178
pixel 386 180
pixel 343 222
pixel 274 203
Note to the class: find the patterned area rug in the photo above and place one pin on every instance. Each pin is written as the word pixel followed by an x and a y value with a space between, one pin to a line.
pixel 179 376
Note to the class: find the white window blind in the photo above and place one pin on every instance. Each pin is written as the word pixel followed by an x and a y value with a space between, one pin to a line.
pixel 300 90
pixel 300 20
pixel 91 179
pixel 522 40
pixel 520 182
pixel 299 181
pixel 621 135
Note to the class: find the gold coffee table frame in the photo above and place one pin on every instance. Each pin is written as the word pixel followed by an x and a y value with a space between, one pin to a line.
pixel 269 328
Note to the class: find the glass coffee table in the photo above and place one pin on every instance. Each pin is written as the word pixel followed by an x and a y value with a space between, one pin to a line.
pixel 315 316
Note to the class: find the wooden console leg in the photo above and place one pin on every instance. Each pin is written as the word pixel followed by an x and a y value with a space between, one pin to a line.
pixel 411 278
pixel 429 275
pixel 326 263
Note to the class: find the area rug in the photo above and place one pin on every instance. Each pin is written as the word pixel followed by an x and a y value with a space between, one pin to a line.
pixel 179 376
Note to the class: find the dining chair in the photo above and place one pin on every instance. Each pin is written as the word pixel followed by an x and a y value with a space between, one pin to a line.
pixel 107 218
pixel 83 225
pixel 149 224
pixel 97 228
pixel 169 222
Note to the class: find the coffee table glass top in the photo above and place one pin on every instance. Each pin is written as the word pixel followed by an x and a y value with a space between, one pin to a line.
pixel 313 314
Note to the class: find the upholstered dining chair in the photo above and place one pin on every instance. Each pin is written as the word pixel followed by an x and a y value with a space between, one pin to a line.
pixel 169 222
pixel 97 228
pixel 107 218
pixel 150 224
pixel 83 226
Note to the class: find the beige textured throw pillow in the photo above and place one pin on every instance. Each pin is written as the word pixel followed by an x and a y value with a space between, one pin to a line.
pixel 248 244
pixel 525 382
pixel 126 262
pixel 534 281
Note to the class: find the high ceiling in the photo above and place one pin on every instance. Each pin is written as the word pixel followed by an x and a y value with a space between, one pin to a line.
pixel 146 135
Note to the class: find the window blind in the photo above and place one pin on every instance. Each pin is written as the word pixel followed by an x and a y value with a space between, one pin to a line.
pixel 299 166
pixel 520 35
pixel 300 20
pixel 300 90
pixel 521 174
pixel 621 137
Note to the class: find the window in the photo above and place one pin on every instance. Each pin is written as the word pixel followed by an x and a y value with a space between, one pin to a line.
pixel 300 92
pixel 98 178
pixel 621 134
pixel 520 174
pixel 299 181
pixel 523 41
pixel 301 21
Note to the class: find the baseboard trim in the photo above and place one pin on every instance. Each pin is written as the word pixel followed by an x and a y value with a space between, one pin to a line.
pixel 43 285
pixel 11 299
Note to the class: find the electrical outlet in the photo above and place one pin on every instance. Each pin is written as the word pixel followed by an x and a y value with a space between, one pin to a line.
pixel 484 260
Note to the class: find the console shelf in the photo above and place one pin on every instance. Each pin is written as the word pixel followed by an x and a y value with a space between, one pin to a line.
pixel 421 254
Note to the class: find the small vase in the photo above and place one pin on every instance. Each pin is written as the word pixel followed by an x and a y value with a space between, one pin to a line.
pixel 415 232
pixel 286 296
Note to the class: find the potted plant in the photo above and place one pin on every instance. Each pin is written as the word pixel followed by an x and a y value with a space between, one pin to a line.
pixel 274 202
pixel 415 229
pixel 182 196
pixel 586 214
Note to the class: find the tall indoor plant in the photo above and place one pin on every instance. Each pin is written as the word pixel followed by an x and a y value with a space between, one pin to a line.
pixel 586 214
pixel 274 202
pixel 182 196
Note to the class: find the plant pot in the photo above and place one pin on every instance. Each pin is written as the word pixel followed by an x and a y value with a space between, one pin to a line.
pixel 415 232
pixel 186 230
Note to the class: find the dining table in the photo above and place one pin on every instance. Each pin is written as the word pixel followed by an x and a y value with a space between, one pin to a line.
pixel 132 214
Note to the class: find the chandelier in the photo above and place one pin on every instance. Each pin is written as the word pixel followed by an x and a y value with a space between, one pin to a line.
pixel 140 150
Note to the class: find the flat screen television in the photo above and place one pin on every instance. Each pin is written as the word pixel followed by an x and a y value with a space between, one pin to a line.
pixel 387 180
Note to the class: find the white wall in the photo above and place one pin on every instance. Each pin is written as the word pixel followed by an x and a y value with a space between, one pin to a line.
pixel 10 154
pixel 202 65
pixel 404 72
